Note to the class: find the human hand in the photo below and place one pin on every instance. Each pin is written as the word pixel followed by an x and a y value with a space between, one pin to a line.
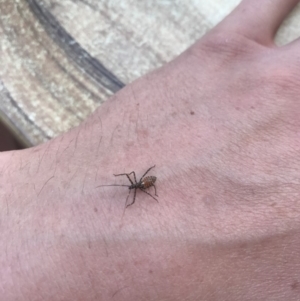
pixel 221 124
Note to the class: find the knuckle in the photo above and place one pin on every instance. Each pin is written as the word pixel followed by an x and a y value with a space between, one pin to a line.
pixel 282 79
pixel 227 46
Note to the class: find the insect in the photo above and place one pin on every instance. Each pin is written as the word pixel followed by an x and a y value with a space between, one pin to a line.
pixel 142 184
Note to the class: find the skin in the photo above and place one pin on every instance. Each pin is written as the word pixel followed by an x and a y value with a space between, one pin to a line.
pixel 221 124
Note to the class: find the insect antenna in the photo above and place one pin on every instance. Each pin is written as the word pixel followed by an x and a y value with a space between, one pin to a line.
pixel 112 185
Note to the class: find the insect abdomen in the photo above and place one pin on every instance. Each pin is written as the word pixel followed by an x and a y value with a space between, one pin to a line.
pixel 148 182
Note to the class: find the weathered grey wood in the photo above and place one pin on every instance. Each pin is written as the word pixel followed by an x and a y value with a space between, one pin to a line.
pixel 44 90
pixel 59 60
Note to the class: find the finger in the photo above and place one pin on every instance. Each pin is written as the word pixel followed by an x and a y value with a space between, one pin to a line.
pixel 258 19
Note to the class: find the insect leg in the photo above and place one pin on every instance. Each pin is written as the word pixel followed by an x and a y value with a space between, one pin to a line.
pixel 150 195
pixel 134 177
pixel 127 197
pixel 127 175
pixel 147 171
pixel 154 189
pixel 133 198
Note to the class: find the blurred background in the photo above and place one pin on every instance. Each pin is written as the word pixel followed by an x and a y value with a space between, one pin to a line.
pixel 7 140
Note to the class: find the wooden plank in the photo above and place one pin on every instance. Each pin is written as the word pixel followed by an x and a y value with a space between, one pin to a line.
pixel 44 91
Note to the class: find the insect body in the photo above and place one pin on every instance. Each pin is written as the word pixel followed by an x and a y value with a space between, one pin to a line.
pixel 143 184
pixel 148 182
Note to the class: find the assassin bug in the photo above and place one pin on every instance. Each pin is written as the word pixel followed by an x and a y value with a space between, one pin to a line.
pixel 142 184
